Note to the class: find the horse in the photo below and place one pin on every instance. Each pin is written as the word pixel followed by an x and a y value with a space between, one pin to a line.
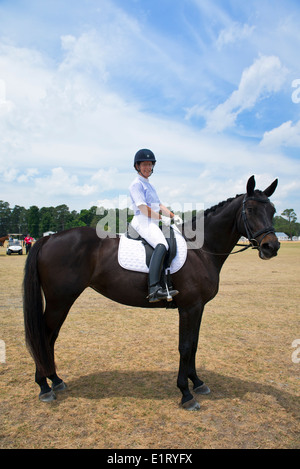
pixel 2 239
pixel 59 268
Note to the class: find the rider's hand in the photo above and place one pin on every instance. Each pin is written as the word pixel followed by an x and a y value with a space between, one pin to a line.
pixel 166 220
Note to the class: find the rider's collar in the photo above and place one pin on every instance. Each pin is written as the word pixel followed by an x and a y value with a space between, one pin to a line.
pixel 142 178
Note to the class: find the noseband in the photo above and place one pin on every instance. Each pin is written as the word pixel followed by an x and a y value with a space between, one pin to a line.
pixel 252 236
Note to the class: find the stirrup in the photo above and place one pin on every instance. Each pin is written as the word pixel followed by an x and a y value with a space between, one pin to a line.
pixel 171 293
pixel 159 293
pixel 169 289
pixel 156 293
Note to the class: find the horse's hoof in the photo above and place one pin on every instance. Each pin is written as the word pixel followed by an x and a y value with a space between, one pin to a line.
pixel 59 387
pixel 191 405
pixel 203 389
pixel 47 396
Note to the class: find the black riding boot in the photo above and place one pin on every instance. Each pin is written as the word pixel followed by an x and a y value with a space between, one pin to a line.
pixel 156 292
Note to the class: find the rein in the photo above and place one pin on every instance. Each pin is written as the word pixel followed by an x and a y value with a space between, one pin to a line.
pixel 230 253
pixel 254 244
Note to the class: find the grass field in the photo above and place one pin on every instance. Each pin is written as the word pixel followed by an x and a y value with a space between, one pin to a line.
pixel 121 373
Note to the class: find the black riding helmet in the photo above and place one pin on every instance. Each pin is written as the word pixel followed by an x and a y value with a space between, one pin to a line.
pixel 144 155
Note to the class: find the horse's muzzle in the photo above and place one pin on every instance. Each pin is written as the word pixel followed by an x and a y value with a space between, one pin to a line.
pixel 269 249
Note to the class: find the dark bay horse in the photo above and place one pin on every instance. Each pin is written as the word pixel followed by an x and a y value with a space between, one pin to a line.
pixel 63 265
pixel 2 239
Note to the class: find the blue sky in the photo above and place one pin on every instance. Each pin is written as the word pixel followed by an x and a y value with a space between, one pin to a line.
pixel 212 87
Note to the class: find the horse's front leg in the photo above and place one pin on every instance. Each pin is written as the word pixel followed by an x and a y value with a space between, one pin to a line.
pixel 189 325
pixel 199 387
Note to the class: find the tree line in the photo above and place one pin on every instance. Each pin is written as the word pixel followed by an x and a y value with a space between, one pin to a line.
pixel 36 221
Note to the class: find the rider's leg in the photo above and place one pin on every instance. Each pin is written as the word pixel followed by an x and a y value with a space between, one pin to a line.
pixel 150 231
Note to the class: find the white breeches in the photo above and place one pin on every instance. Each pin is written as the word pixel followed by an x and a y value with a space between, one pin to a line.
pixel 148 229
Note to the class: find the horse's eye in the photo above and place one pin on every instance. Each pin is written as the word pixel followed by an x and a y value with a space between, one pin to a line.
pixel 250 209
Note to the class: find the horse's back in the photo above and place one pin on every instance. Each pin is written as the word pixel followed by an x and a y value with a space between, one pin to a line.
pixel 73 237
pixel 66 260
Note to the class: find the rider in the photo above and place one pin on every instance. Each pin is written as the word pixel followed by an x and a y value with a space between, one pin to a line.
pixel 147 208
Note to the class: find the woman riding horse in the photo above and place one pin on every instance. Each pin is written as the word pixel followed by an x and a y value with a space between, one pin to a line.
pixel 146 207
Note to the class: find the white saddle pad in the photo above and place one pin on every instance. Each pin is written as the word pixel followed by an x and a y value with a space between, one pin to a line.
pixel 132 254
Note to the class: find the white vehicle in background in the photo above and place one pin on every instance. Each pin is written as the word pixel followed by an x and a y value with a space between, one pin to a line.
pixel 14 247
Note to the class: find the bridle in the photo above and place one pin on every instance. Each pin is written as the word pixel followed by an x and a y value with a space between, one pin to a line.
pixel 252 237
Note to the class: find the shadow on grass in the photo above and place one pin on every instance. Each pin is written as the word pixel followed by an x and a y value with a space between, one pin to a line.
pixel 162 385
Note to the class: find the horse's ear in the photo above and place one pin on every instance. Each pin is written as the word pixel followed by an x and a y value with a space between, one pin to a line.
pixel 250 186
pixel 271 189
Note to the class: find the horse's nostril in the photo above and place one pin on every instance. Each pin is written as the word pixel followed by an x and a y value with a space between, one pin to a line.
pixel 270 249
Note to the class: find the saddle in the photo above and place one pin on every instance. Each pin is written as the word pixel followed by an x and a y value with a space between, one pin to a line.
pixel 131 233
pixel 135 253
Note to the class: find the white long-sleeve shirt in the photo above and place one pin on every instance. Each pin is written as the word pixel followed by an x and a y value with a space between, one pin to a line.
pixel 143 193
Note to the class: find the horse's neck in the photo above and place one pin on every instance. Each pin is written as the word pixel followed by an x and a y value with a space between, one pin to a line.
pixel 220 231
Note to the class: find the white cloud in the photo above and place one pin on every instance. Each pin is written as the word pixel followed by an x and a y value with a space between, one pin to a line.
pixel 234 33
pixel 9 175
pixel 5 105
pixel 84 54
pixel 286 135
pixel 25 73
pixel 263 78
pixel 29 174
pixel 14 175
pixel 107 179
pixel 60 183
pixel 121 202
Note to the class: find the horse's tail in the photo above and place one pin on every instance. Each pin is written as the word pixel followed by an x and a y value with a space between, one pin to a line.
pixel 33 306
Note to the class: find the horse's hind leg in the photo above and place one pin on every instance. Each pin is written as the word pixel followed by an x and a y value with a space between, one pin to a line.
pixel 54 321
pixel 47 393
pixel 57 383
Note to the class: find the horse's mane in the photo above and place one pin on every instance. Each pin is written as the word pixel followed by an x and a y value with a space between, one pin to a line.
pixel 215 208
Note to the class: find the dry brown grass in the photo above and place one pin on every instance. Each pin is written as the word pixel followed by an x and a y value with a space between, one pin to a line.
pixel 121 365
